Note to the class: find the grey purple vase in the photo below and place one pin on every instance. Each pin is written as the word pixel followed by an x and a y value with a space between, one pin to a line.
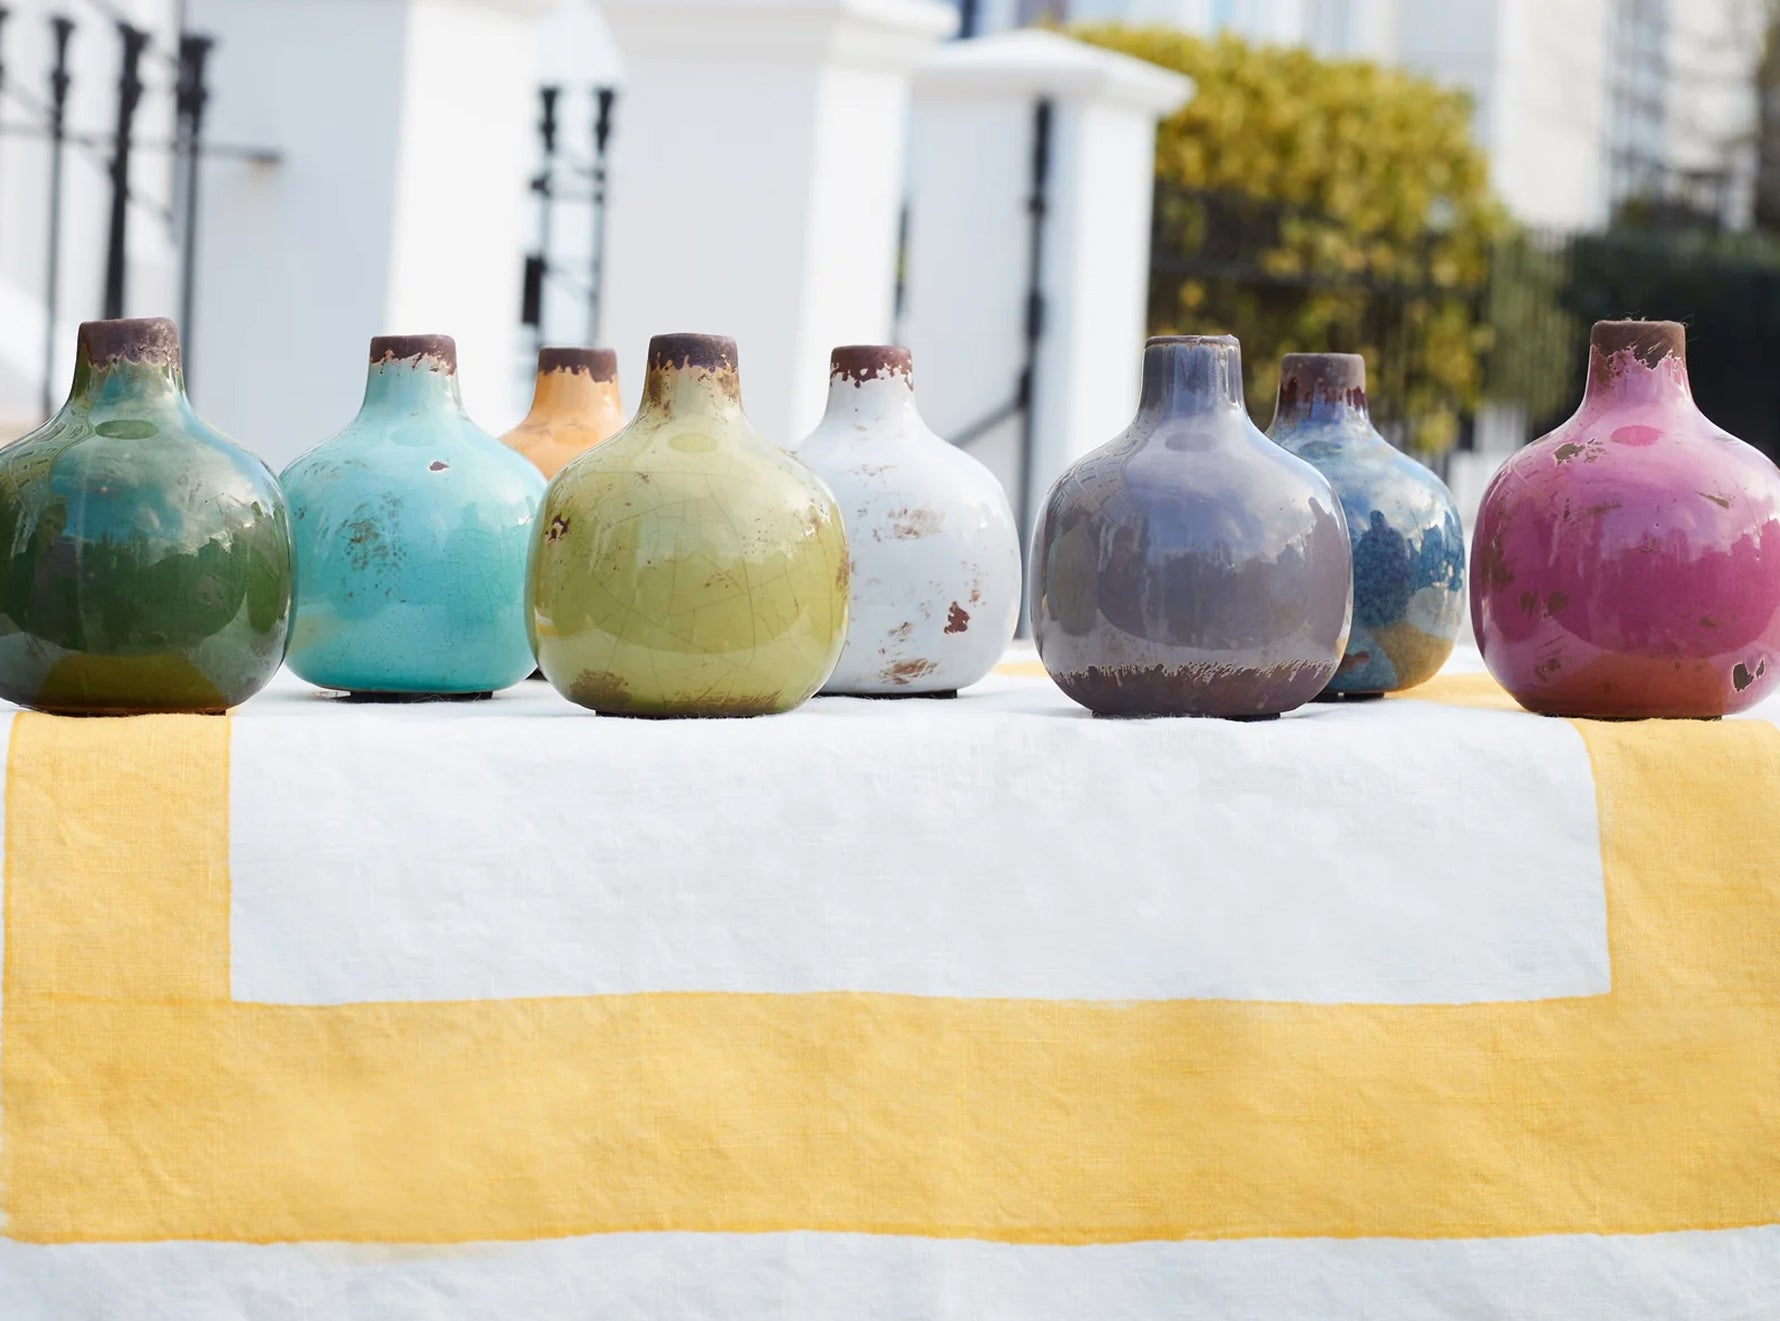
pixel 1408 543
pixel 1190 566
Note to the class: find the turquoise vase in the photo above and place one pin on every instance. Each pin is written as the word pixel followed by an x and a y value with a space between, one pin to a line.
pixel 412 528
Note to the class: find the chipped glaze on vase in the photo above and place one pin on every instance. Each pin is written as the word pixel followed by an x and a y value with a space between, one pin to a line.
pixel 1403 527
pixel 1628 564
pixel 412 528
pixel 148 564
pixel 935 559
pixel 575 405
pixel 1190 566
pixel 688 566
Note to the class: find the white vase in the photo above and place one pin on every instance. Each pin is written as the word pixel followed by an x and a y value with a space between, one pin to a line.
pixel 935 555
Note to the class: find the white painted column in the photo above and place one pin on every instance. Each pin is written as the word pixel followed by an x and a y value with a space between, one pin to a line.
pixel 970 168
pixel 400 205
pixel 756 181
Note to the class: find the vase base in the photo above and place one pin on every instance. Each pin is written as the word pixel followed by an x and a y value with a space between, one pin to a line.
pixel 116 712
pixel 374 696
pixel 1183 715
pixel 895 697
pixel 1623 720
pixel 678 715
pixel 1327 696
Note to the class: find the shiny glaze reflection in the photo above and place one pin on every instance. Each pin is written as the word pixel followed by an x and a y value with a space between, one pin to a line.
pixel 412 528
pixel 1628 564
pixel 148 558
pixel 1190 566
pixel 1408 543
pixel 686 566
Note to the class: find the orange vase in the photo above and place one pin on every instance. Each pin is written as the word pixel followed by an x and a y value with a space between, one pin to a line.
pixel 574 407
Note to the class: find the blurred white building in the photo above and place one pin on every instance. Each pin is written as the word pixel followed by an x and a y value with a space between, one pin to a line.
pixel 1581 104
pixel 759 159
pixel 760 155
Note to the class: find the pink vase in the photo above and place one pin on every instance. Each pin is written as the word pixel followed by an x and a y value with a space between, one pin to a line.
pixel 1628 564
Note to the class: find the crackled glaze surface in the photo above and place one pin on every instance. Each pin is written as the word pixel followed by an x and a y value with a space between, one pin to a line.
pixel 1628 564
pixel 1408 543
pixel 688 567
pixel 148 557
pixel 935 557
pixel 575 405
pixel 412 528
pixel 1190 566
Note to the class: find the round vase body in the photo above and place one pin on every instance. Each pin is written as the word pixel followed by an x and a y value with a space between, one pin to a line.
pixel 687 567
pixel 1191 566
pixel 1403 526
pixel 412 528
pixel 935 558
pixel 1628 564
pixel 149 557
pixel 575 405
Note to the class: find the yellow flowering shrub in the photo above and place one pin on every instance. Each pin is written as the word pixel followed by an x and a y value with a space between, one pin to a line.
pixel 1372 223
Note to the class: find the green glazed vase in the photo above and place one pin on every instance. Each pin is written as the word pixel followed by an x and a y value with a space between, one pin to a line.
pixel 686 566
pixel 149 557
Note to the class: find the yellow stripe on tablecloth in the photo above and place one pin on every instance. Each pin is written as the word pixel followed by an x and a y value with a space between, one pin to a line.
pixel 124 824
pixel 148 1114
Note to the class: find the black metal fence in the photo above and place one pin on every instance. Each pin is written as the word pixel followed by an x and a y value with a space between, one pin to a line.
pixel 34 105
pixel 1287 277
pixel 576 179
pixel 1725 288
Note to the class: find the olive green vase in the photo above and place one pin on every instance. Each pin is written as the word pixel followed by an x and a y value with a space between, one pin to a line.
pixel 148 563
pixel 686 566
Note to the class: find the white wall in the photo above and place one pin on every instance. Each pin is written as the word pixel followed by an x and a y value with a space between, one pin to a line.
pixel 398 206
pixel 970 242
pixel 968 251
pixel 756 176
pixel 460 214
pixel 295 257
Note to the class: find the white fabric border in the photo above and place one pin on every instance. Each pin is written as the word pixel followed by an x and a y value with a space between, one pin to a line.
pixel 1729 1275
pixel 1004 844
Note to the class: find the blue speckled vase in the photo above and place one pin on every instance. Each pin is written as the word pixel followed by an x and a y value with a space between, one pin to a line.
pixel 1408 544
pixel 412 528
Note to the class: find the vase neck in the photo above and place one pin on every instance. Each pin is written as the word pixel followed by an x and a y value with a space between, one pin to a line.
pixel 134 362
pixel 870 385
pixel 574 384
pixel 1318 389
pixel 1636 362
pixel 412 374
pixel 118 384
pixel 690 376
pixel 1192 374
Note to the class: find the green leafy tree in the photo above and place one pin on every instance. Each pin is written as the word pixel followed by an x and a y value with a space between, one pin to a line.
pixel 1370 225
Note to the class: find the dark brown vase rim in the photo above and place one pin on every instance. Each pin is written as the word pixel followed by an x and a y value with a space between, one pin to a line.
pixel 865 362
pixel 152 341
pixel 600 364
pixel 713 353
pixel 1306 378
pixel 399 348
pixel 1647 341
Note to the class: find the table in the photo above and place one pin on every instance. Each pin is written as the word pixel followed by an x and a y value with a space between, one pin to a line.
pixel 977 1008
